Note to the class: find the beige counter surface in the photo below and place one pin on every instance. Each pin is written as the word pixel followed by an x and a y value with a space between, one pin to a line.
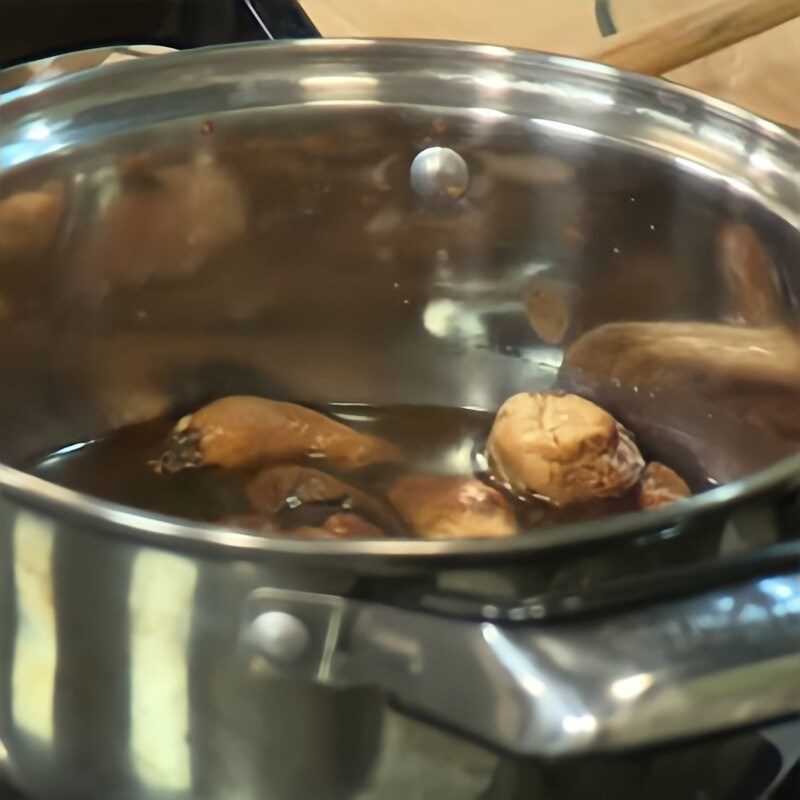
pixel 761 73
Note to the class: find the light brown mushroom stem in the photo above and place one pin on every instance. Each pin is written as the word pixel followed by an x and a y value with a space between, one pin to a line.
pixel 240 430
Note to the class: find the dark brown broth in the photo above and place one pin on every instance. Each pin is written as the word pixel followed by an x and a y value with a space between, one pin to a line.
pixel 434 440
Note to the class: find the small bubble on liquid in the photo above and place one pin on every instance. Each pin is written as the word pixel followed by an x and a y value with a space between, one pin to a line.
pixel 615 382
pixel 616 250
pixel 652 227
pixel 633 199
pixel 406 301
pixel 395 286
pixel 636 389
pixel 481 463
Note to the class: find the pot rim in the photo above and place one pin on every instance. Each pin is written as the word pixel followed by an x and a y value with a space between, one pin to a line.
pixel 119 520
pixel 489 53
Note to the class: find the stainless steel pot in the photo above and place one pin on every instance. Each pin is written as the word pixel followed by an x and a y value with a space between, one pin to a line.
pixel 145 657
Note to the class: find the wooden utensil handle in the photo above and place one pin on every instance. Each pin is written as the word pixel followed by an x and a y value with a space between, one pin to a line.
pixel 689 35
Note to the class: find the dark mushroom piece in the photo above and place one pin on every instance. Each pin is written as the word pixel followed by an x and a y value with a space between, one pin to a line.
pixel 290 485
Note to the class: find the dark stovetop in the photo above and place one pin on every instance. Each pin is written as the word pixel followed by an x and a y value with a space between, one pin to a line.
pixel 38 28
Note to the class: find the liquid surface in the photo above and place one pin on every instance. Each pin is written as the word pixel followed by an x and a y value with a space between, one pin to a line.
pixel 434 440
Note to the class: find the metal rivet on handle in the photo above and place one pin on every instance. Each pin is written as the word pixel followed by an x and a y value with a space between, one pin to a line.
pixel 279 636
pixel 439 174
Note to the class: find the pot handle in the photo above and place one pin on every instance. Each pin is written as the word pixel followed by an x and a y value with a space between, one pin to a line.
pixel 728 657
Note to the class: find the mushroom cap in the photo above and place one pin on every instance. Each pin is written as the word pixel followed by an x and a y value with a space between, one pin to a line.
pixel 561 448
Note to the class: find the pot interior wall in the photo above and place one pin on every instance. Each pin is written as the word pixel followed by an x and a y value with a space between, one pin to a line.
pixel 281 251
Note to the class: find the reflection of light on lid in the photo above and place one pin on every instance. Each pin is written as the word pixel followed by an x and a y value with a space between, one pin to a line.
pixel 459 458
pixel 696 168
pixel 38 132
pixel 493 50
pixel 445 317
pixel 70 448
pixel 492 79
pixel 565 127
pixel 776 587
pixel 724 603
pixel 489 632
pixel 337 81
pixel 585 66
pixel 518 663
pixel 753 613
pixel 533 685
pixel 671 120
pixel 348 417
pixel 585 723
pixel 722 137
pixel 761 160
pixel 631 687
pixel 489 113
